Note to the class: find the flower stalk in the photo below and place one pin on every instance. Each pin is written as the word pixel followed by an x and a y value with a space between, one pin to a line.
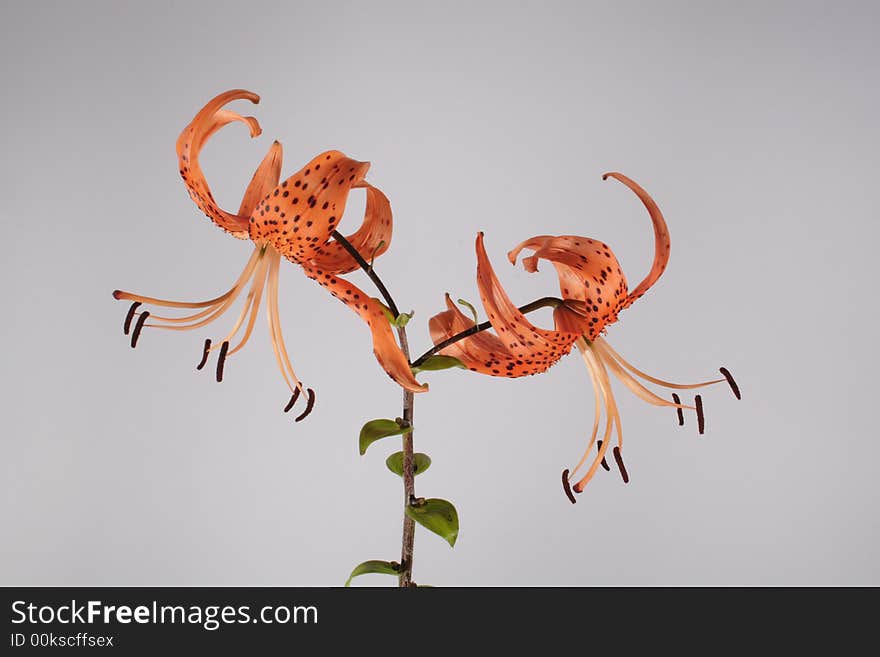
pixel 409 483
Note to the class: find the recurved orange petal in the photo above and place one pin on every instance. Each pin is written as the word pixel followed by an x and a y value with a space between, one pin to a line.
pixel 264 181
pixel 476 351
pixel 518 348
pixel 385 347
pixel 299 215
pixel 189 144
pixel 538 349
pixel 589 275
pixel 371 240
pixel 662 242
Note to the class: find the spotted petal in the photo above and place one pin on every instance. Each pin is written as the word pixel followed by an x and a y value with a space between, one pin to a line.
pixel 298 217
pixel 210 119
pixel 473 351
pixel 590 279
pixel 518 348
pixel 371 240
pixel 662 242
pixel 264 181
pixel 385 347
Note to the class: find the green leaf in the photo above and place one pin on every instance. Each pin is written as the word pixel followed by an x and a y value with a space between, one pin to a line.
pixel 400 321
pixel 436 362
pixel 374 566
pixel 375 251
pixel 437 515
pixel 376 429
pixel 469 306
pixel 421 462
pixel 403 319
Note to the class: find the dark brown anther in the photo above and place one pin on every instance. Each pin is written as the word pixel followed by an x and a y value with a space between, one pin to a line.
pixel 139 325
pixel 701 421
pixel 677 400
pixel 620 465
pixel 205 353
pixel 221 360
pixel 130 316
pixel 567 487
pixel 604 462
pixel 292 401
pixel 731 382
pixel 310 404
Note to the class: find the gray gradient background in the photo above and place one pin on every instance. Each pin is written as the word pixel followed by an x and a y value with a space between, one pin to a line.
pixel 754 127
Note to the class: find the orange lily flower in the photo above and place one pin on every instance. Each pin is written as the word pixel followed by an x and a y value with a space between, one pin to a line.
pixel 594 291
pixel 294 219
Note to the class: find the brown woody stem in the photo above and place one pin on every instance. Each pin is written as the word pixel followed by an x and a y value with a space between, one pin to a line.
pixel 409 491
pixel 544 302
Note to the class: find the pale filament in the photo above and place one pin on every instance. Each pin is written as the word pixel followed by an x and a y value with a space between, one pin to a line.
pixel 601 383
pixel 275 325
pixel 596 414
pixel 219 305
pixel 647 377
pixel 598 355
pixel 637 388
pixel 253 304
pixel 235 290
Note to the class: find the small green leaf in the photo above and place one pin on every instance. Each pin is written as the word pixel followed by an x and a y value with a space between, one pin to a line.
pixel 374 566
pixel 421 462
pixel 436 362
pixel 400 321
pixel 375 251
pixel 376 429
pixel 469 307
pixel 437 515
pixel 403 319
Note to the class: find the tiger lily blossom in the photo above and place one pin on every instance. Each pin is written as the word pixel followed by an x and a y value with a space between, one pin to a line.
pixel 294 219
pixel 594 292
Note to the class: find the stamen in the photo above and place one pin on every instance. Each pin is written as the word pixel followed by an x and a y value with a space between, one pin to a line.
pixel 292 401
pixel 275 327
pixel 139 325
pixel 310 404
pixel 604 462
pixel 628 380
pixel 731 382
pixel 212 309
pixel 600 380
pixel 567 487
pixel 598 396
pixel 221 360
pixel 677 400
pixel 701 421
pixel 253 301
pixel 120 294
pixel 620 465
pixel 126 327
pixel 603 344
pixel 205 353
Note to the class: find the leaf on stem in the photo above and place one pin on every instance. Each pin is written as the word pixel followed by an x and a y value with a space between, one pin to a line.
pixel 469 306
pixel 377 429
pixel 403 319
pixel 421 462
pixel 436 515
pixel 374 566
pixel 398 322
pixel 437 362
